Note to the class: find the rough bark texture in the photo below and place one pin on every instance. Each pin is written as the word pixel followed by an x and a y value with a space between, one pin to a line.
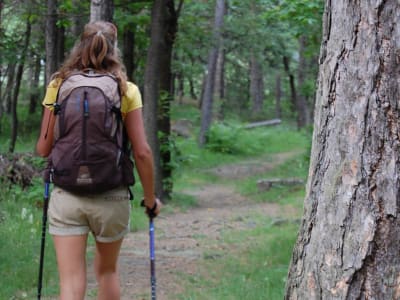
pixel 207 98
pixel 349 240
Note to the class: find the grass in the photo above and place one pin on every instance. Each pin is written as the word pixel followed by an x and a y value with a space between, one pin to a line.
pixel 254 267
pixel 20 234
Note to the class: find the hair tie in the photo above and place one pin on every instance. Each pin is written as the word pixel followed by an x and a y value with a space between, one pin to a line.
pixel 99 33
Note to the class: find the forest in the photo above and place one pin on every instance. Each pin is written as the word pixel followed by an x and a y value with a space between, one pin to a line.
pixel 274 126
pixel 249 81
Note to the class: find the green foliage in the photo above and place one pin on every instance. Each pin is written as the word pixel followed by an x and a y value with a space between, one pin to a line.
pixel 20 234
pixel 224 138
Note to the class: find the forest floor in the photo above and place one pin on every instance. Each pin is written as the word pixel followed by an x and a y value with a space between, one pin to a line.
pixel 185 239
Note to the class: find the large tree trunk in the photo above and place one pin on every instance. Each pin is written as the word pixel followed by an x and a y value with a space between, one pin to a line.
pixel 207 98
pixel 51 39
pixel 101 10
pixel 349 240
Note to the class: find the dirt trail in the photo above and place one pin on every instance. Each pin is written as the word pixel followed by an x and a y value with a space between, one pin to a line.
pixel 183 238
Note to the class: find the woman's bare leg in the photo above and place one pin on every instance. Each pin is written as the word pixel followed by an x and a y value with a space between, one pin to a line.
pixel 105 265
pixel 71 260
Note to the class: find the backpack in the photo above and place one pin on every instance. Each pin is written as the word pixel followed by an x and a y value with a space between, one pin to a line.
pixel 90 151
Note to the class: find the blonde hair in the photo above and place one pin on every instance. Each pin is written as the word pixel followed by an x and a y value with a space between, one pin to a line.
pixel 97 50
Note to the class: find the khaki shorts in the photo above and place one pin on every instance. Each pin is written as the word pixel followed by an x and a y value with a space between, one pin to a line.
pixel 106 215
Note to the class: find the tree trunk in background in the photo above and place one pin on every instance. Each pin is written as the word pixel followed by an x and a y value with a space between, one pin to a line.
pixel 207 99
pixel 60 46
pixel 278 96
pixel 128 51
pixel 303 111
pixel 152 88
pixel 20 69
pixel 9 87
pixel 293 92
pixel 349 240
pixel 256 86
pixel 101 10
pixel 34 85
pixel 166 88
pixel 179 91
pixel 219 84
pixel 51 39
pixel 78 19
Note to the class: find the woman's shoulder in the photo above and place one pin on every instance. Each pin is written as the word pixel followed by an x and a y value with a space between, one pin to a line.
pixel 132 90
pixel 54 83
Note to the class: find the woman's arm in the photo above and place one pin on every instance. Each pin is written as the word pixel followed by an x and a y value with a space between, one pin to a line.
pixel 142 155
pixel 45 141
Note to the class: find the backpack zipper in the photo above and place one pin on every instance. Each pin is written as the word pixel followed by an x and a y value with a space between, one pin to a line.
pixel 84 125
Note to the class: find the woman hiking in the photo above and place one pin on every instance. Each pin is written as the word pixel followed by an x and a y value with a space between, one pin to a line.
pixel 73 215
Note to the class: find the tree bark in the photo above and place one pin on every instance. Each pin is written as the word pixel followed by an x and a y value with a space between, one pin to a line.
pixel 349 240
pixel 101 10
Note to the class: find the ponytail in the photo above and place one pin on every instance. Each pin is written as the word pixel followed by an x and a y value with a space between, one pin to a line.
pixel 96 50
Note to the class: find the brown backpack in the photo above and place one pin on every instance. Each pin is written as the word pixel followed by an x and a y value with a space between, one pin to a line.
pixel 90 152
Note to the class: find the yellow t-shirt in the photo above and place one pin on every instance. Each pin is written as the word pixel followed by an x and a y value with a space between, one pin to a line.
pixel 131 101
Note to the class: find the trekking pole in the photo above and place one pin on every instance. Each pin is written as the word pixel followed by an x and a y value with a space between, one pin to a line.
pixel 151 215
pixel 152 260
pixel 44 223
